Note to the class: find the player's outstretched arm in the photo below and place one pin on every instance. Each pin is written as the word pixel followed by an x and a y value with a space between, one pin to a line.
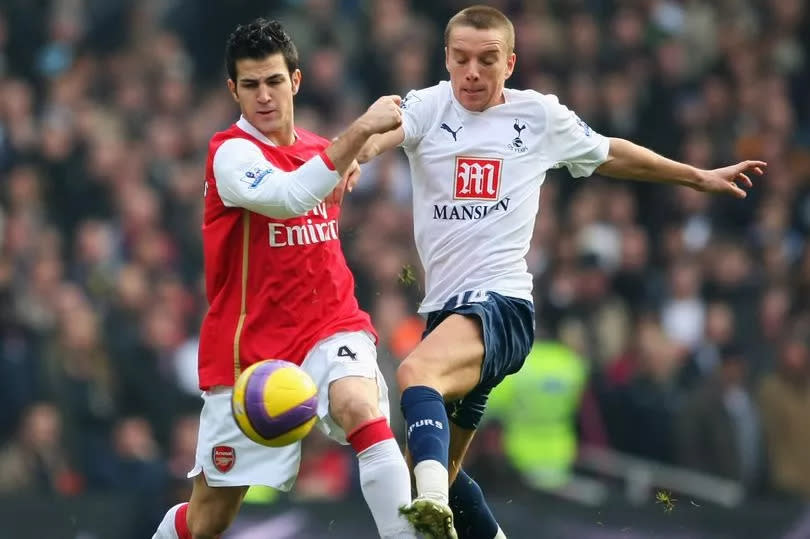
pixel 631 161
pixel 382 116
pixel 380 143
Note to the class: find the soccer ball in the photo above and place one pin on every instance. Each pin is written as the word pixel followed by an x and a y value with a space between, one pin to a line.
pixel 275 403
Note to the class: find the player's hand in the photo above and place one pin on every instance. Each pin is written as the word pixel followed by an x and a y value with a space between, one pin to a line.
pixel 732 180
pixel 383 115
pixel 346 183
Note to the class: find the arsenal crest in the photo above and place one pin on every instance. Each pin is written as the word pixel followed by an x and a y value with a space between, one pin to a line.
pixel 224 457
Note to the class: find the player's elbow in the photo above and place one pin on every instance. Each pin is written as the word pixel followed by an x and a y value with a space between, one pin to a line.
pixel 287 200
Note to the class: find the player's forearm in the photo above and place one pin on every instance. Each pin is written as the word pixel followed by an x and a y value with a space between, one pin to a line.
pixel 345 148
pixel 633 162
pixel 380 143
pixel 370 150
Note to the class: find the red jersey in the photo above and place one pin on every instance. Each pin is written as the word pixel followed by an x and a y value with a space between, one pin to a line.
pixel 275 287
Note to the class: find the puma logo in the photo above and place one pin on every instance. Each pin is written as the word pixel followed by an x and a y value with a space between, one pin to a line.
pixel 449 130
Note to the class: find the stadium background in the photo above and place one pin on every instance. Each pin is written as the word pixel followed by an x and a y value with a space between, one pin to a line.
pixel 689 316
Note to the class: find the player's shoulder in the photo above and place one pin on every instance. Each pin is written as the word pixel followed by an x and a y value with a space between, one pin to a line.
pixel 235 138
pixel 532 97
pixel 231 145
pixel 427 95
pixel 226 134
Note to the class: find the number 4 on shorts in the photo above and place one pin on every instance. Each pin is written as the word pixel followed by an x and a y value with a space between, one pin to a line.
pixel 345 351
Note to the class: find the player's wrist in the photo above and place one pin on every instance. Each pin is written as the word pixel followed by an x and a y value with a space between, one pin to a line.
pixel 695 178
pixel 362 127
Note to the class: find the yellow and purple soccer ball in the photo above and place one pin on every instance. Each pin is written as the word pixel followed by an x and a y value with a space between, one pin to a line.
pixel 275 403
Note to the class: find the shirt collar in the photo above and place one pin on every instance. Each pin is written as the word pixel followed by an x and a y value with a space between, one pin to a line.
pixel 248 128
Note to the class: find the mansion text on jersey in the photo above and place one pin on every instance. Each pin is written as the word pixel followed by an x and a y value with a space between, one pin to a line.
pixel 467 212
pixel 282 235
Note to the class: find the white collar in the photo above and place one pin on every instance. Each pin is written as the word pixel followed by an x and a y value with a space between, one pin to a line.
pixel 248 128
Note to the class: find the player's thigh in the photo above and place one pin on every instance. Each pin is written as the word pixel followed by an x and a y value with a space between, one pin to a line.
pixel 460 439
pixel 212 509
pixel 351 388
pixel 449 359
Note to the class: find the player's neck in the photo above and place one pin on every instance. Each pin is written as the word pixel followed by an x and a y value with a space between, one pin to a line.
pixel 494 103
pixel 284 137
pixel 278 137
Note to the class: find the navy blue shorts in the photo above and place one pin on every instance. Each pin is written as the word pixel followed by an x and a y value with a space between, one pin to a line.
pixel 508 329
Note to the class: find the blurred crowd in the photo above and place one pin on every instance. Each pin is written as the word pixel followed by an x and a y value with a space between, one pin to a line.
pixel 690 314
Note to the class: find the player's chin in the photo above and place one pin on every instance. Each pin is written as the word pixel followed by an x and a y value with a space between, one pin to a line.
pixel 266 124
pixel 475 101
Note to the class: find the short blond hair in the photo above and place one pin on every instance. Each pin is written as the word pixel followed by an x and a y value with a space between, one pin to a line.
pixel 482 18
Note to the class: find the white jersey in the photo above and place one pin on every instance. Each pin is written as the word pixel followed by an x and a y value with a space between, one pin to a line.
pixel 476 184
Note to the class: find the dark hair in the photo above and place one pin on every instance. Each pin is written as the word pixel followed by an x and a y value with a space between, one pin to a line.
pixel 257 40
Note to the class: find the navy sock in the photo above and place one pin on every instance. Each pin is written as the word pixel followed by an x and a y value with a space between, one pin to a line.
pixel 473 518
pixel 428 428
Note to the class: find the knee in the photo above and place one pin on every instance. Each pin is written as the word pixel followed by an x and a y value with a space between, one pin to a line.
pixel 352 411
pixel 414 371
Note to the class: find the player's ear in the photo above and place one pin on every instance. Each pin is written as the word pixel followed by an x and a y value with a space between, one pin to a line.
pixel 510 64
pixel 232 88
pixel 446 59
pixel 295 79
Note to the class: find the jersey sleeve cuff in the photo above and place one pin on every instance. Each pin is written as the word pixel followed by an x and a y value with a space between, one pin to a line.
pixel 328 162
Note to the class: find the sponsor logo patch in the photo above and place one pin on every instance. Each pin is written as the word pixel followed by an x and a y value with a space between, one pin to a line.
pixel 256 176
pixel 477 178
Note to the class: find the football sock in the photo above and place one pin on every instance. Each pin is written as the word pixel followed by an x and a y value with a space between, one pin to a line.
pixel 384 477
pixel 174 525
pixel 428 440
pixel 473 518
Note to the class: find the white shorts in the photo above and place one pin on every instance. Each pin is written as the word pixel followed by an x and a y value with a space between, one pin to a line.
pixel 228 458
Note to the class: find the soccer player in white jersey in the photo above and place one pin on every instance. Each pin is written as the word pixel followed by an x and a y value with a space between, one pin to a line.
pixel 478 154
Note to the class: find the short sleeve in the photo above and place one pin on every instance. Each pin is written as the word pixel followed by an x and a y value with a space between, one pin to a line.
pixel 418 112
pixel 570 142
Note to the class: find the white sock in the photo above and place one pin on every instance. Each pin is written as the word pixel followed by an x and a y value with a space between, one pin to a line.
pixel 386 486
pixel 166 528
pixel 500 534
pixel 432 480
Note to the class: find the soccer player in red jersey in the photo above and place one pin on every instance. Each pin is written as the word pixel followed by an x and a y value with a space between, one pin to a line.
pixel 279 287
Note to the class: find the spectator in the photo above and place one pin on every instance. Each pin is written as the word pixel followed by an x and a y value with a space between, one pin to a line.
pixel 36 461
pixel 784 398
pixel 719 428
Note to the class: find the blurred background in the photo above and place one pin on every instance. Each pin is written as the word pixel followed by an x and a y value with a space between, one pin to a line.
pixel 668 394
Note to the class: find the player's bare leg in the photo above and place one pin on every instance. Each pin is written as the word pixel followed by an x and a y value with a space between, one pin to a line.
pixel 212 509
pixel 460 440
pixel 446 364
pixel 384 477
pixel 472 516
pixel 206 516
